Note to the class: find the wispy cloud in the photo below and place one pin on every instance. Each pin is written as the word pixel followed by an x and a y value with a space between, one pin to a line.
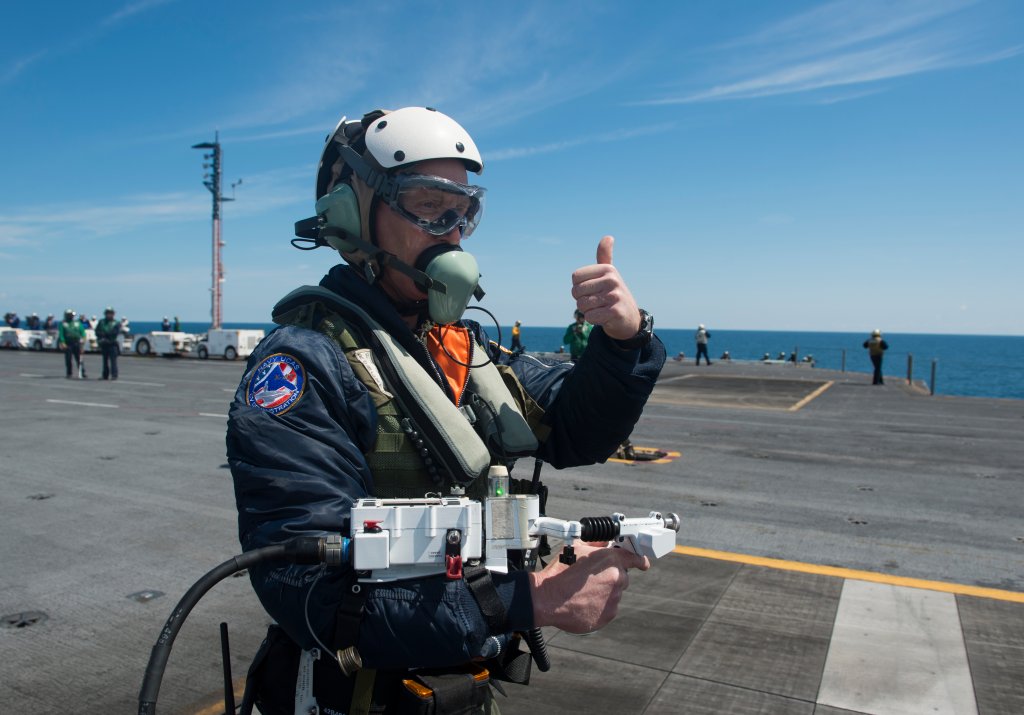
pixel 93 220
pixel 843 23
pixel 847 96
pixel 505 71
pixel 604 138
pixel 132 214
pixel 848 42
pixel 131 9
pixel 86 36
pixel 18 66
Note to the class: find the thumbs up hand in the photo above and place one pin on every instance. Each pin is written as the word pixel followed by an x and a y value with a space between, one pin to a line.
pixel 601 294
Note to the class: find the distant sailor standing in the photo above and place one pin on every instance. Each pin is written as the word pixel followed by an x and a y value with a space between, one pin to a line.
pixel 876 348
pixel 70 335
pixel 517 345
pixel 108 331
pixel 701 338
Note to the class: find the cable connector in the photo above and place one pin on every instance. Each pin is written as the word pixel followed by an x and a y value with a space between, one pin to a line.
pixel 303 550
pixel 332 550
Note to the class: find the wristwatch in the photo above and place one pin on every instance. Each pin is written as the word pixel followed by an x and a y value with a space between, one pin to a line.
pixel 643 335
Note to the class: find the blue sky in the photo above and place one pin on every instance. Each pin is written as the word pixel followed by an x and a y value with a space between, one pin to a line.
pixel 763 165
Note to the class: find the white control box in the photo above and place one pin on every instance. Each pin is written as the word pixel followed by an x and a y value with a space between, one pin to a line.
pixel 407 538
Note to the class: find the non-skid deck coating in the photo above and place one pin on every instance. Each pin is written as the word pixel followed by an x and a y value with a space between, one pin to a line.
pixel 738 391
pixel 705 636
pixel 811 498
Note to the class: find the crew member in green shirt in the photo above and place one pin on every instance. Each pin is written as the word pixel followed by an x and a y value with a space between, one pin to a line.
pixel 70 336
pixel 576 336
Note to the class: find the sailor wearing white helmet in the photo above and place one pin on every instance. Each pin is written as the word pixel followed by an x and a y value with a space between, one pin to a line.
pixel 876 348
pixel 357 395
pixel 701 338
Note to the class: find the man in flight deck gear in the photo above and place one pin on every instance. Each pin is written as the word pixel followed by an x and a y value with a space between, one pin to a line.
pixel 365 390
pixel 108 332
pixel 876 348
pixel 70 336
pixel 701 338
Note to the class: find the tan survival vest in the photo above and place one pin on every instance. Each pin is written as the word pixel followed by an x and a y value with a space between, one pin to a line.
pixel 425 444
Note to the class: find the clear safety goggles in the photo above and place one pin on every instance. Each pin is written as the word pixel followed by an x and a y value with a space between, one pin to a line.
pixel 437 205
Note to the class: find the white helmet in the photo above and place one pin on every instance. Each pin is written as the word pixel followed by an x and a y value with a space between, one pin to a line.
pixel 359 158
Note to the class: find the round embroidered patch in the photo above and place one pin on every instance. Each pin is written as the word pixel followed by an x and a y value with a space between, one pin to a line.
pixel 276 384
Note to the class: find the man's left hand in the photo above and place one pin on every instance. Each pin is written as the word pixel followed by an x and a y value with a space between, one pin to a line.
pixel 603 296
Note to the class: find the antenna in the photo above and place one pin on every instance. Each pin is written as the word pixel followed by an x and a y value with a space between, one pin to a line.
pixel 212 181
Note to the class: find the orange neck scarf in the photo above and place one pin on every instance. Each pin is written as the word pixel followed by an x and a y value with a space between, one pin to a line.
pixel 452 356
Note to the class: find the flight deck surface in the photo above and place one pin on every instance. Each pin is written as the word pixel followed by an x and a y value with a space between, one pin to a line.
pixel 844 548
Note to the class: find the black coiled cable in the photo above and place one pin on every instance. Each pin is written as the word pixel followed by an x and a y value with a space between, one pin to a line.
pixel 538 649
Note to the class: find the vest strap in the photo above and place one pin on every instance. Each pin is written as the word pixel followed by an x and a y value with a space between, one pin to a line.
pixel 482 587
pixel 348 617
pixel 362 692
pixel 511 666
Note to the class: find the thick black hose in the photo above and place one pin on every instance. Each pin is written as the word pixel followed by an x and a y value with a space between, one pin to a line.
pixel 298 550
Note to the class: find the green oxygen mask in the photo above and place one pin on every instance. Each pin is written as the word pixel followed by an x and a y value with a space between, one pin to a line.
pixel 454 279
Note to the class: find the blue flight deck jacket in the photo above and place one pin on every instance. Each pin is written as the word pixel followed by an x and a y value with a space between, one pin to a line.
pixel 298 470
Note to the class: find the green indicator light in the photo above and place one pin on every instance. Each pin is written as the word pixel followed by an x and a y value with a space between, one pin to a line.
pixel 500 492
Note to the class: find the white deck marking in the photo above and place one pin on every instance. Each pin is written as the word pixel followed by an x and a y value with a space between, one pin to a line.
pixel 897 650
pixel 81 404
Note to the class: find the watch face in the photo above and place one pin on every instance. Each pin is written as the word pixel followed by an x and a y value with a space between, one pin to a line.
pixel 643 335
pixel 646 322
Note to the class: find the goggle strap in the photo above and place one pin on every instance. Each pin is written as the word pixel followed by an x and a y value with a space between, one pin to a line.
pixel 382 184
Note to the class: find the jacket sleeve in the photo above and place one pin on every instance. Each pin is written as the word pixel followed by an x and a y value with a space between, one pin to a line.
pixel 297 473
pixel 591 406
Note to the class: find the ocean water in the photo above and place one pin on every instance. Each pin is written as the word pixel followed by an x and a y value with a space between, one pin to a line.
pixel 967 365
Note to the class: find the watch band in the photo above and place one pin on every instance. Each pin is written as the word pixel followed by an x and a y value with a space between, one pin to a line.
pixel 643 335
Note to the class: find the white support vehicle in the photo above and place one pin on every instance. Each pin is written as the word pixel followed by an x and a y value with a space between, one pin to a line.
pixel 163 343
pixel 230 344
pixel 17 338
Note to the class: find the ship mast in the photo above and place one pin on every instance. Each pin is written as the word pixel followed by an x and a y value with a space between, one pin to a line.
pixel 212 181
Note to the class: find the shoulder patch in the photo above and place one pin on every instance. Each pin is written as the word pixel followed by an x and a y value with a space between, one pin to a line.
pixel 276 384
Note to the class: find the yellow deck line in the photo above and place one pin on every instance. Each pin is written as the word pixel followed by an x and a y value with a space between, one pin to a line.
pixel 956 588
pixel 811 396
pixel 669 456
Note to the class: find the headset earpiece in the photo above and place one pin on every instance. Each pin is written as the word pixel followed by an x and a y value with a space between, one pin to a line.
pixel 340 210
